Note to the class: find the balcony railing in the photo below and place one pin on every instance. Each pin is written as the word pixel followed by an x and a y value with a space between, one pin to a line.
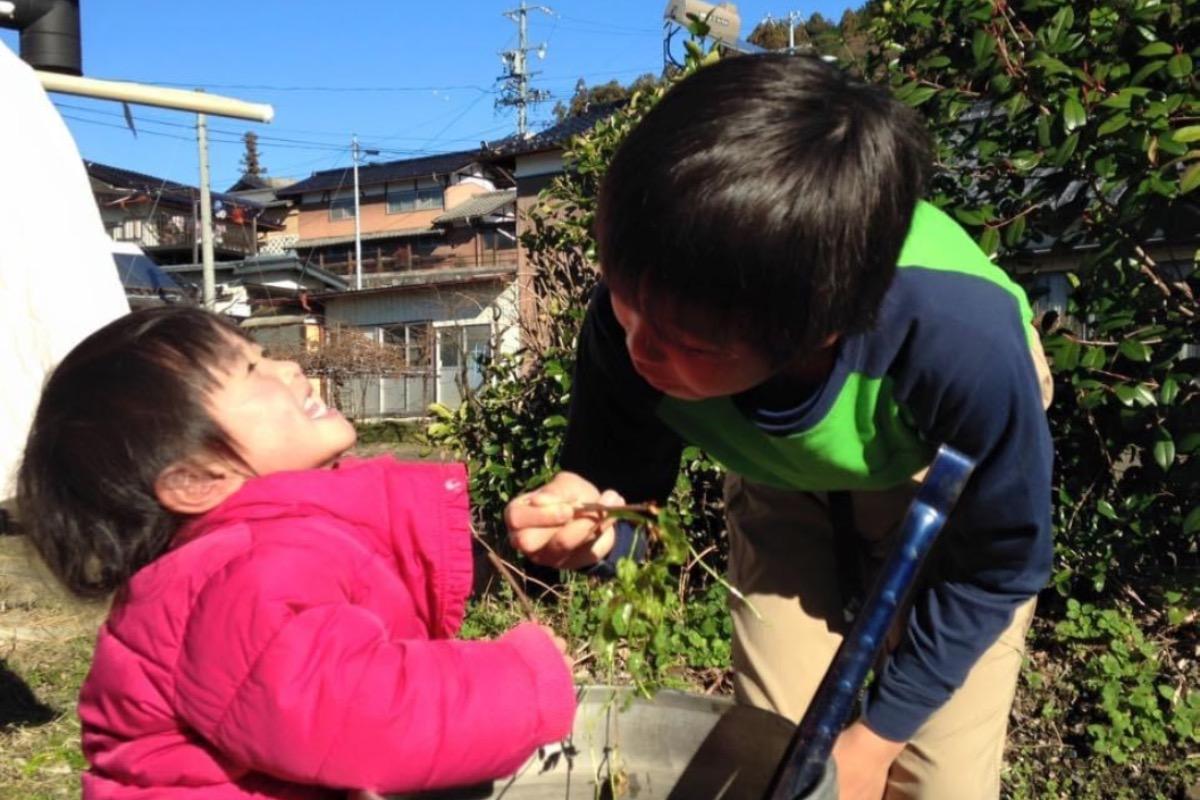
pixel 177 231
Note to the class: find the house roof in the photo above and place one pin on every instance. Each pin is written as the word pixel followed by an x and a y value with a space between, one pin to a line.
pixel 554 137
pixel 347 238
pixel 407 169
pixel 427 278
pixel 250 182
pixel 140 275
pixel 140 182
pixel 481 205
pixel 256 266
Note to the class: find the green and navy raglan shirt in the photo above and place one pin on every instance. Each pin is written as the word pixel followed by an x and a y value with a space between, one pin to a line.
pixel 948 361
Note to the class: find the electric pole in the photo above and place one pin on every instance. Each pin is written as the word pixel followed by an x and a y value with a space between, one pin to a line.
pixel 355 153
pixel 207 268
pixel 516 91
pixel 792 17
pixel 357 224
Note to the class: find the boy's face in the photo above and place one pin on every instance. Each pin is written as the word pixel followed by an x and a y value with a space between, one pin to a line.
pixel 680 364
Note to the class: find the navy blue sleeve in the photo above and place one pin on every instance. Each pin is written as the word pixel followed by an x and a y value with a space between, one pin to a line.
pixel 969 381
pixel 614 438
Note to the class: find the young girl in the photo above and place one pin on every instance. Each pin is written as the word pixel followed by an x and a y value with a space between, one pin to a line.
pixel 282 622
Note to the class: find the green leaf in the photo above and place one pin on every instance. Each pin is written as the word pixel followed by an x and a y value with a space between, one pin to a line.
pixel 1191 523
pixel 1015 232
pixel 1190 133
pixel 1124 98
pixel 1043 130
pixel 1190 179
pixel 1180 66
pixel 1094 358
pixel 1113 124
pixel 1190 442
pixel 1062 20
pixel 1146 71
pixel 1065 150
pixel 1168 391
pixel 1049 64
pixel 1130 394
pixel 989 241
pixel 1156 49
pixel 920 95
pixel 983 45
pixel 1073 115
pixel 1135 350
pixel 1143 396
pixel 1105 509
pixel 1164 449
pixel 969 216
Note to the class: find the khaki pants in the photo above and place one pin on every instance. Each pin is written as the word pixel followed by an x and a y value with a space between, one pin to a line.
pixel 782 558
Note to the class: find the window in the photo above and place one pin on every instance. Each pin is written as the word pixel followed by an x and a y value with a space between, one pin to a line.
pixel 341 208
pixel 495 239
pixel 407 197
pixel 414 337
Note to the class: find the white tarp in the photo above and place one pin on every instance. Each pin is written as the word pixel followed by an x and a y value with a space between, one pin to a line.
pixel 57 279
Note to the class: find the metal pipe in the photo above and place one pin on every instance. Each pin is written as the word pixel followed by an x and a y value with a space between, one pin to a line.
pixel 147 95
pixel 808 754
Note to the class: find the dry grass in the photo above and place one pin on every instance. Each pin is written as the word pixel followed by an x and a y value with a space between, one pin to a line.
pixel 45 649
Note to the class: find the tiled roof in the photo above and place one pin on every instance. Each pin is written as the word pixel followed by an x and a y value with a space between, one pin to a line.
pixel 410 168
pixel 554 137
pixel 259 265
pixel 150 184
pixel 478 206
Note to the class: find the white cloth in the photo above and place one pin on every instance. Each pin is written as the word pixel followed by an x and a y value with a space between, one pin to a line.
pixel 58 282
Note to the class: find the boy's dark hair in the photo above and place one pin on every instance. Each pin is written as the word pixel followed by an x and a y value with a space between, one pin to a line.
pixel 771 193
pixel 125 403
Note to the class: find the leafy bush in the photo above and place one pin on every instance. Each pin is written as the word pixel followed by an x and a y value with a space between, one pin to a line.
pixel 1062 130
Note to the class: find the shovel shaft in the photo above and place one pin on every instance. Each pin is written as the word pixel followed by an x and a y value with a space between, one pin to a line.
pixel 807 754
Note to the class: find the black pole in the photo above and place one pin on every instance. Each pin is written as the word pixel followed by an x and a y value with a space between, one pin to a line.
pixel 49 34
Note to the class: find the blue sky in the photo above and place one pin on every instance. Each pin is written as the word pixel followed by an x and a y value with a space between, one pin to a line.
pixel 412 76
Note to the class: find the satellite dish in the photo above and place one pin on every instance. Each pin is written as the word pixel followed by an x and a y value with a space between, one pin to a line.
pixel 724 21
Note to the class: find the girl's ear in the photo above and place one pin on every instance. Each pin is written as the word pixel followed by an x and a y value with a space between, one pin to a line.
pixel 189 488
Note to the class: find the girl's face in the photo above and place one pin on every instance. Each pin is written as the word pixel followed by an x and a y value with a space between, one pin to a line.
pixel 683 366
pixel 269 410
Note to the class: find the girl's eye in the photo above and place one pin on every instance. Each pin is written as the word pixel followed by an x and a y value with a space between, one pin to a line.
pixel 250 367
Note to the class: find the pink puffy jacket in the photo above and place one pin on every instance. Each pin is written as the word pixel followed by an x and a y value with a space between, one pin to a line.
pixel 295 642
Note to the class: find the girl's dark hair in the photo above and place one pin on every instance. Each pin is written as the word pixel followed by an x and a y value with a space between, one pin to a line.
pixel 772 193
pixel 125 404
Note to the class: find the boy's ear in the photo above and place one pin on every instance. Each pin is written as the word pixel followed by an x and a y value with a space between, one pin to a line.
pixel 190 488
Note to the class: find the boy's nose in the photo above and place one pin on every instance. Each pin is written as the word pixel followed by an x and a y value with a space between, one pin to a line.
pixel 642 345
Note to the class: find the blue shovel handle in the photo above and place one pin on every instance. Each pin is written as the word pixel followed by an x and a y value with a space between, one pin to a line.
pixel 807 754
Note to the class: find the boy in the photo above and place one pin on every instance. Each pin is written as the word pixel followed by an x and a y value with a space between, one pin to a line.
pixel 775 292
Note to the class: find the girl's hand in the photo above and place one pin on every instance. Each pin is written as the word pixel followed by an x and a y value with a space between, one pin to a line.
pixel 863 759
pixel 561 644
pixel 548 527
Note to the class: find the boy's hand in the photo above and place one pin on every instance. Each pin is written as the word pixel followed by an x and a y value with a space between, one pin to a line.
pixel 863 759
pixel 547 526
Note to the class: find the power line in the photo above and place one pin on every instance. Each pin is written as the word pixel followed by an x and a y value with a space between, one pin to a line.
pixel 269 88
